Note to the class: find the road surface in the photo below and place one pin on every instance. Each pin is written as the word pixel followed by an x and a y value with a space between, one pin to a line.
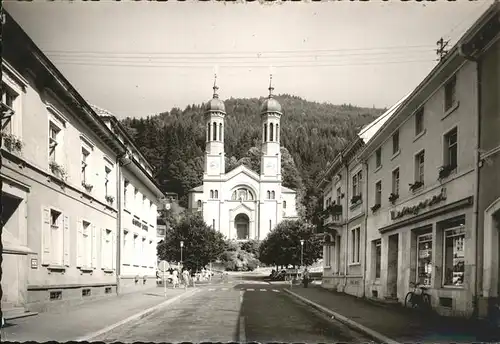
pixel 242 311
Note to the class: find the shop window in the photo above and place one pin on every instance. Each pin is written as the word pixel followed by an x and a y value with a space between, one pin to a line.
pixel 424 259
pixel 454 258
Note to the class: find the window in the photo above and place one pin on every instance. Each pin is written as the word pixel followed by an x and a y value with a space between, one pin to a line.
pixel 328 202
pixel 55 241
pixel 107 173
pixel 356 184
pixel 208 132
pixel 53 141
pixel 268 194
pixel 125 187
pixel 424 259
pixel 216 194
pixel 395 181
pixel 272 195
pixel 419 167
pixel 126 244
pixel 199 203
pixel 339 195
pixel 450 93
pixel 454 259
pixel 395 142
pixel 86 244
pixel 378 157
pixel 136 192
pixel 220 131
pixel 213 223
pixel 270 225
pixel 378 193
pixel 242 194
pixel 378 256
pixel 265 132
pixel 451 148
pixel 271 132
pixel 144 204
pixel 211 193
pixel 85 156
pixel 215 131
pixel 106 249
pixel 419 121
pixel 284 204
pixel 355 245
pixel 8 98
pixel 277 132
pixel 135 249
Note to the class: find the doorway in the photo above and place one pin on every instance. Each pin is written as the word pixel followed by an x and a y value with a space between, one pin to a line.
pixel 392 267
pixel 241 223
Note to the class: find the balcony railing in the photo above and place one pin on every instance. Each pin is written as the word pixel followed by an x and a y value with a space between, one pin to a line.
pixel 333 219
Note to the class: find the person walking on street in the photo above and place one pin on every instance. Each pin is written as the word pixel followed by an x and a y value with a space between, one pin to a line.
pixel 306 278
pixel 185 277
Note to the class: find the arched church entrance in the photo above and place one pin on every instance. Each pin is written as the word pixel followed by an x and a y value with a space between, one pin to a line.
pixel 242 224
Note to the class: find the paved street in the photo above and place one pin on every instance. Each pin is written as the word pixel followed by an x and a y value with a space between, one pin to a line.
pixel 239 311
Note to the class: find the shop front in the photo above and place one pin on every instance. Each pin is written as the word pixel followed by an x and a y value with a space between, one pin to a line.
pixel 434 247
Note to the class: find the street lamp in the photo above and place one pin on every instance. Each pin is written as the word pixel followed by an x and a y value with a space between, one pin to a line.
pixel 182 245
pixel 301 253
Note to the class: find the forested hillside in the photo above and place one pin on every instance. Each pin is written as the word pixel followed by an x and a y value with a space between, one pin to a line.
pixel 311 135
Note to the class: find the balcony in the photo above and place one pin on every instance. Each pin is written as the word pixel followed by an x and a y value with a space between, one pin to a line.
pixel 332 215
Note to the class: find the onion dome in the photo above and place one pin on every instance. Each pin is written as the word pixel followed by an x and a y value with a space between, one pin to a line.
pixel 270 104
pixel 215 104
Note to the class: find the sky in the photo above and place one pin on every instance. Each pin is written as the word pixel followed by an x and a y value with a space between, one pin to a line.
pixel 142 58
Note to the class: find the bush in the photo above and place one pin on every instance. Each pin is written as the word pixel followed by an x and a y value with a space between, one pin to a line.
pixel 239 261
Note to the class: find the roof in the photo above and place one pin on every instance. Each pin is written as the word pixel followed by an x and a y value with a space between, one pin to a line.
pixel 196 189
pixel 372 128
pixel 215 105
pixel 284 189
pixel 270 105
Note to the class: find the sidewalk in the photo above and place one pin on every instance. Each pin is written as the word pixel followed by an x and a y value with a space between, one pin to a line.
pixel 397 323
pixel 72 323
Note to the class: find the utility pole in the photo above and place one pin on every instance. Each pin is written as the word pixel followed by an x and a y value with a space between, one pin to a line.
pixel 442 44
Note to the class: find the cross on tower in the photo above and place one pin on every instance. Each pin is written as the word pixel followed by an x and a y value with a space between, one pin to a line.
pixel 271 88
pixel 215 87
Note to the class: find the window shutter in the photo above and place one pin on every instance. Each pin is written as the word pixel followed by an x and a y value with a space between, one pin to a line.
pixel 79 243
pixel 113 250
pixel 94 247
pixel 104 261
pixel 66 238
pixel 46 237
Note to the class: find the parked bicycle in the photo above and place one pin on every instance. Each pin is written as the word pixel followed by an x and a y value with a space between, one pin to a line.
pixel 417 298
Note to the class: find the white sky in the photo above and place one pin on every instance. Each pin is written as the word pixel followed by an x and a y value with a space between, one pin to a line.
pixel 141 58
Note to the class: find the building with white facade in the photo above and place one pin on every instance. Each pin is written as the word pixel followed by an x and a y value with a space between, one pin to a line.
pixel 242 204
pixel 138 202
pixel 60 166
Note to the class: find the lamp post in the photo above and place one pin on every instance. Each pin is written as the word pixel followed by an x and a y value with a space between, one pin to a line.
pixel 182 245
pixel 301 253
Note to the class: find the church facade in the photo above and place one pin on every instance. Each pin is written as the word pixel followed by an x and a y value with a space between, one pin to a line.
pixel 242 204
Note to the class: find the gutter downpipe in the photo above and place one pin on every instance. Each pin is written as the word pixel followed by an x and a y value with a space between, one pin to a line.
pixel 346 225
pixel 119 165
pixel 477 158
pixel 365 163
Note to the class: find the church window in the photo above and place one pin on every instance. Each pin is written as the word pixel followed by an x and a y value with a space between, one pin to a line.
pixel 242 194
pixel 209 131
pixel 216 194
pixel 277 132
pixel 272 195
pixel 199 203
pixel 270 132
pixel 213 223
pixel 220 131
pixel 284 204
pixel 270 225
pixel 268 194
pixel 265 132
pixel 211 193
pixel 215 132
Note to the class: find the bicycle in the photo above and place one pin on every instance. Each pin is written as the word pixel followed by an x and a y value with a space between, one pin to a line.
pixel 415 299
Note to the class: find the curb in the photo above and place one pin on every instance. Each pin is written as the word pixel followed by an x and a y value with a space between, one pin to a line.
pixel 357 326
pixel 137 316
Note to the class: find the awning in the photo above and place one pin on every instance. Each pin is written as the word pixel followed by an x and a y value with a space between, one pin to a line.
pixel 12 245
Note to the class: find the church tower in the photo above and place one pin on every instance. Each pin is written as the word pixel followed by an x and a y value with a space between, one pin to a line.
pixel 270 112
pixel 215 112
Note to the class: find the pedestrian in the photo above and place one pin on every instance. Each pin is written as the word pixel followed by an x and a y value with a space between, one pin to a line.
pixel 175 280
pixel 185 277
pixel 306 278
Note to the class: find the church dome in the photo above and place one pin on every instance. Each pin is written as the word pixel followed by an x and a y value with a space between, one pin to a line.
pixel 270 105
pixel 215 104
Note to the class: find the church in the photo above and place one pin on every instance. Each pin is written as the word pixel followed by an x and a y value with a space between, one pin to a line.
pixel 242 204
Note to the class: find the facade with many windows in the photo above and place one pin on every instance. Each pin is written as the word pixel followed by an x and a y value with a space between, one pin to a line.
pixel 60 164
pixel 433 203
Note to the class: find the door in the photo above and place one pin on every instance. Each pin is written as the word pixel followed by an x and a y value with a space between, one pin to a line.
pixel 392 266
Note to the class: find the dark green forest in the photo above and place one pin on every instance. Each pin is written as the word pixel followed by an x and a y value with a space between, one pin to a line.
pixel 311 134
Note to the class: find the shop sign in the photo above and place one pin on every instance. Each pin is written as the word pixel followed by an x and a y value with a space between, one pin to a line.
pixel 136 223
pixel 415 209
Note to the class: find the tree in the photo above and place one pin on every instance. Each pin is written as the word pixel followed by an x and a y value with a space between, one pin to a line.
pixel 202 244
pixel 282 245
